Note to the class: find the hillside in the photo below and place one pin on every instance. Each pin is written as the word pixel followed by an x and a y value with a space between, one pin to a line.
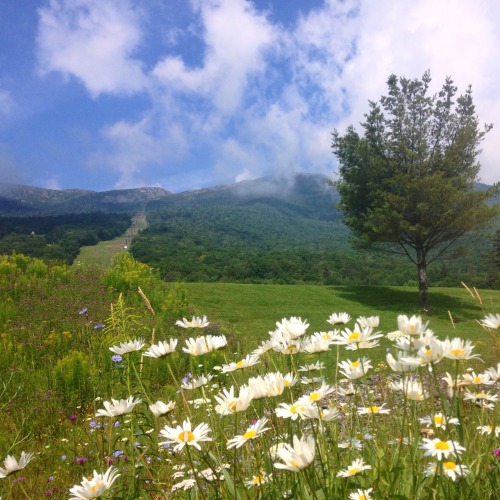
pixel 17 199
pixel 281 231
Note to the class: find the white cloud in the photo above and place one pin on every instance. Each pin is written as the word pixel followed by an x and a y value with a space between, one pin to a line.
pixel 94 41
pixel 236 39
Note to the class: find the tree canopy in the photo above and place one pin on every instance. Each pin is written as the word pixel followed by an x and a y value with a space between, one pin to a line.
pixel 409 180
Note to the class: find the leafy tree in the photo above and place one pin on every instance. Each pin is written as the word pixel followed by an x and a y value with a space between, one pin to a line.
pixel 408 183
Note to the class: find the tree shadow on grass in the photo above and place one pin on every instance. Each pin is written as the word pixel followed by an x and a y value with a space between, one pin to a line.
pixel 385 298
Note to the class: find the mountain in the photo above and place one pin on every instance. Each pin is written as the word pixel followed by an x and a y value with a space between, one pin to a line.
pixel 18 199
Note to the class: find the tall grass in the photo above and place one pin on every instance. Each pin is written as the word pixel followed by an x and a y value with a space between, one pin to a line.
pixel 306 429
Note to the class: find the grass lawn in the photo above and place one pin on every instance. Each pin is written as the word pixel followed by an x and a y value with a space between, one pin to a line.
pixel 103 253
pixel 251 311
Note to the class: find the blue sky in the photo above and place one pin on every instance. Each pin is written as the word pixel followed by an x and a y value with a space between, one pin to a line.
pixel 184 94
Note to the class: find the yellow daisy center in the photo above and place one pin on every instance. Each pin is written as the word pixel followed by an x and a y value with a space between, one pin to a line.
pixel 259 479
pixel 373 409
pixel 438 419
pixel 239 364
pixel 353 337
pixel 354 471
pixel 355 364
pixel 314 396
pixel 186 436
pixel 442 445
pixel 449 465
pixel 476 380
pixel 458 352
pixel 251 433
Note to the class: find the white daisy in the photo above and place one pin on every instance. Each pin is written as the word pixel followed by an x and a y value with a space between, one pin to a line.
pixel 161 349
pixel 441 449
pixel 126 347
pixel 94 487
pixel 296 457
pixel 118 407
pixel 251 433
pixel 10 464
pixel 159 408
pixel 185 435
pixel 356 467
pixel 491 321
pixel 196 322
pixel 338 318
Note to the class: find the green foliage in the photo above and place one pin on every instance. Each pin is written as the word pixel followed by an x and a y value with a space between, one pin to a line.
pixel 58 237
pixel 409 181
pixel 73 378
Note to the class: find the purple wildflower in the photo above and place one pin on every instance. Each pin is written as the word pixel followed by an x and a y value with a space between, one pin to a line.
pixel 81 460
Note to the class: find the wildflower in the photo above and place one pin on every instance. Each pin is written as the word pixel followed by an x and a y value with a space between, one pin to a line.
pixel 159 408
pixel 373 410
pixel 161 349
pixel 315 412
pixel 313 380
pixel 292 328
pixel 297 457
pixel 477 379
pixel 292 411
pixel 116 358
pixel 265 346
pixel 355 369
pixel 411 387
pixel 83 311
pixel 449 469
pixel 251 433
pixel 118 407
pixel 197 382
pixel 494 372
pixel 361 494
pixel 229 403
pixel 10 464
pixel 496 452
pixel 480 396
pixel 411 326
pixel 337 318
pixel 441 449
pixel 187 484
pixel 368 322
pixel 353 443
pixel 249 360
pixel 317 343
pixel 358 338
pixel 259 480
pixel 203 345
pixel 491 321
pixel 96 486
pixel 438 420
pixel 288 346
pixel 316 395
pixel 185 435
pixel 315 366
pixel 81 460
pixel 196 322
pixel 398 365
pixel 356 467
pixel 458 349
pixel 489 429
pixel 126 347
pixel 430 351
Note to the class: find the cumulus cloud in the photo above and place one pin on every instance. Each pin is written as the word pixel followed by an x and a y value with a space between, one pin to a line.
pixel 93 41
pixel 261 97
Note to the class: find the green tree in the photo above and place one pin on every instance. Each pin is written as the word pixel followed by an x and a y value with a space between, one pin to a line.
pixel 408 183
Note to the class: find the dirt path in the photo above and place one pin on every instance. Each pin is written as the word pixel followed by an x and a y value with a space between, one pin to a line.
pixel 103 253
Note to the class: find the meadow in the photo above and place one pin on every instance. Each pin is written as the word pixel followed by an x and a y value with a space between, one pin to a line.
pixel 114 384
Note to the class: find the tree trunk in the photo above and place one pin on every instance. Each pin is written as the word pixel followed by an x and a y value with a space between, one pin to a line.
pixel 422 279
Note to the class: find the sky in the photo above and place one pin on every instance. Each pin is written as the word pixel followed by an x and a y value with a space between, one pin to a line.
pixel 187 94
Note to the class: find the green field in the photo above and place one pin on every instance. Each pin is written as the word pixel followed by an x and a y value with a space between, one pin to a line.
pixel 252 310
pixel 103 253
